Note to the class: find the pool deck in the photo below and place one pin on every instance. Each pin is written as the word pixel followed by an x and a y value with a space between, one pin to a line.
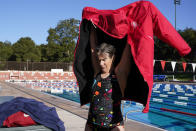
pixel 73 116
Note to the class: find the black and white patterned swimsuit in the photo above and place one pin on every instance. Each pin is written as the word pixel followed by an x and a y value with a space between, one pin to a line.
pixel 105 105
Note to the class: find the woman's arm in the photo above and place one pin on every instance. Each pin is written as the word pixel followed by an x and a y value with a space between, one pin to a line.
pixel 123 69
pixel 93 44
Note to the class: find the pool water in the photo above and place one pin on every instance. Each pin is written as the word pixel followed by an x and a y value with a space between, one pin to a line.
pixel 178 97
pixel 160 99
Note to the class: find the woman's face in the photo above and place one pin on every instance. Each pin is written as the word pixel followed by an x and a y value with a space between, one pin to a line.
pixel 105 62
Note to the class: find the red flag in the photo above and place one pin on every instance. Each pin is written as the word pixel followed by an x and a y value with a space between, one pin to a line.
pixel 163 64
pixel 184 65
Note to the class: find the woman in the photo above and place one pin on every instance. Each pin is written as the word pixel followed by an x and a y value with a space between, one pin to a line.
pixel 105 106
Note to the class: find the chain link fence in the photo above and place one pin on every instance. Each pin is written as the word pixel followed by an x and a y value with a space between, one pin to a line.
pixel 34 66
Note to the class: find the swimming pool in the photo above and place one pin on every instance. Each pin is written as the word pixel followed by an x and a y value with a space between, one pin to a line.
pixel 177 97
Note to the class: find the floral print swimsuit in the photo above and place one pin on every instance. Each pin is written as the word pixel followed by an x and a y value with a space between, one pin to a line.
pixel 105 105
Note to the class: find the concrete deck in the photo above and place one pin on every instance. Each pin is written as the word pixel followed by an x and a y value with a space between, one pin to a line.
pixel 73 116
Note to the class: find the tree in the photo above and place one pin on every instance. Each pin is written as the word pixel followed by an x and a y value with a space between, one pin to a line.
pixel 5 50
pixel 189 36
pixel 165 52
pixel 43 50
pixel 62 40
pixel 53 52
pixel 25 49
pixel 162 51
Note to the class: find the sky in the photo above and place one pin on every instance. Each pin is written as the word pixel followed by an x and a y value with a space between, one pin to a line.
pixel 33 18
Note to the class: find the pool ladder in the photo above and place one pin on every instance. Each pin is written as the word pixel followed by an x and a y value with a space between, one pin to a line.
pixel 131 111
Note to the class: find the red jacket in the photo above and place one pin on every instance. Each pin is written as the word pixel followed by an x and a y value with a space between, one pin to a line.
pixel 138 22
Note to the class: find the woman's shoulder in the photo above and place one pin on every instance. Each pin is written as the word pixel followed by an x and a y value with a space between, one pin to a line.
pixel 97 76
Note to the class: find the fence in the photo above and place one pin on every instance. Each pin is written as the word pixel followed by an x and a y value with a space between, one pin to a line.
pixel 34 66
pixel 47 66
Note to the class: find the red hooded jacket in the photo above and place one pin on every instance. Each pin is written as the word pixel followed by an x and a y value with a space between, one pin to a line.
pixel 136 23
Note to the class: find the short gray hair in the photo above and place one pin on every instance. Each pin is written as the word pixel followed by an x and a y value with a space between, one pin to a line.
pixel 106 48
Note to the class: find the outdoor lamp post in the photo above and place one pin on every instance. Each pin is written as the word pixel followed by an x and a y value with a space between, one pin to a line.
pixel 176 2
pixel 27 65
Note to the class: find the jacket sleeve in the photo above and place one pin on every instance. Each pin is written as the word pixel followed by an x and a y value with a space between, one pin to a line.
pixel 163 29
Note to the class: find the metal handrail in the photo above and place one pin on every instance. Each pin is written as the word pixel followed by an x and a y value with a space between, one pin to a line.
pixel 131 112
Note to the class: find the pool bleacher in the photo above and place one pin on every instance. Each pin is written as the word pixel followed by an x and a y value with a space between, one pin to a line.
pixel 19 76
